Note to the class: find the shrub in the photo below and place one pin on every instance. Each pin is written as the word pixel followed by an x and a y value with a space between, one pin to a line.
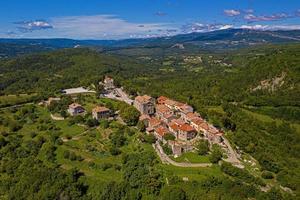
pixel 92 122
pixel 130 115
pixel 167 149
pixel 215 156
pixel 114 151
pixel 169 136
pixel 203 147
pixel 174 193
pixel 149 138
pixel 267 175
pixel 105 166
pixel 32 134
pixel 104 123
pixel 66 154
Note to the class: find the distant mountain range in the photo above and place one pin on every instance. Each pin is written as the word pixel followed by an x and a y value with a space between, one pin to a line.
pixel 216 40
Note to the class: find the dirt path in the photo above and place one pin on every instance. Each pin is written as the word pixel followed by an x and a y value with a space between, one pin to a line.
pixel 166 160
pixel 77 137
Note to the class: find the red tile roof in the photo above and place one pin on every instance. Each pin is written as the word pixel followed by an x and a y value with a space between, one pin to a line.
pixel 163 109
pixel 198 121
pixel 178 121
pixel 173 126
pixel 100 109
pixel 75 105
pixel 204 126
pixel 191 115
pixel 170 102
pixel 161 130
pixel 154 122
pixel 143 99
pixel 168 115
pixel 162 99
pixel 144 117
pixel 187 128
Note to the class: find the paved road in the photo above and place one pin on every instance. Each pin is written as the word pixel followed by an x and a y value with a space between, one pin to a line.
pixel 122 96
pixel 233 157
pixel 166 160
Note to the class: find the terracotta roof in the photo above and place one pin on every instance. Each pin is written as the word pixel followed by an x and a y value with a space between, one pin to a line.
pixel 154 122
pixel 204 125
pixel 170 102
pixel 198 121
pixel 74 105
pixel 179 104
pixel 99 109
pixel 143 99
pixel 161 130
pixel 162 99
pixel 107 78
pixel 144 117
pixel 173 126
pixel 163 109
pixel 168 115
pixel 213 130
pixel 178 121
pixel 187 128
pixel 191 115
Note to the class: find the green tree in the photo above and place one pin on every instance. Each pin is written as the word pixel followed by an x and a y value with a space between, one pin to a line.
pixel 169 136
pixel 174 193
pixel 216 155
pixel 130 115
pixel 203 147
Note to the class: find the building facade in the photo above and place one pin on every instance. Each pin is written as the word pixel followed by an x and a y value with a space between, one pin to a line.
pixel 101 112
pixel 145 104
pixel 76 109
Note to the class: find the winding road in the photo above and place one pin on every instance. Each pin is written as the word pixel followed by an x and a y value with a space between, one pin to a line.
pixel 166 160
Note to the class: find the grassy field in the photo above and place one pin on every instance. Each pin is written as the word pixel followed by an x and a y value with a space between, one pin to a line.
pixel 191 157
pixel 9 100
pixel 266 118
pixel 191 173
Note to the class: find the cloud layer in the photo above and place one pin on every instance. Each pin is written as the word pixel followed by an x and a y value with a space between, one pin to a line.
pixel 199 27
pixel 249 16
pixel 94 26
pixel 29 26
pixel 114 27
pixel 232 13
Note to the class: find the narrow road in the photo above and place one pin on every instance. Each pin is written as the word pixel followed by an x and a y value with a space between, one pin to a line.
pixel 166 160
pixel 122 96
pixel 233 157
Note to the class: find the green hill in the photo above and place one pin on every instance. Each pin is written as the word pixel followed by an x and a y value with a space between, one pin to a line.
pixel 252 94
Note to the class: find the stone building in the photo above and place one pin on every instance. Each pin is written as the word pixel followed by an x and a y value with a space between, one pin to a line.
pixel 76 109
pixel 145 104
pixel 101 112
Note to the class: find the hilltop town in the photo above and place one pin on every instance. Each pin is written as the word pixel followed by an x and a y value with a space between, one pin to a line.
pixel 174 124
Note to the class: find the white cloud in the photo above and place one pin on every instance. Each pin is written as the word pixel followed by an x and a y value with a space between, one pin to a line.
pixel 232 13
pixel 98 25
pixel 199 27
pixel 271 27
pixel 29 26
pixel 274 17
pixel 91 27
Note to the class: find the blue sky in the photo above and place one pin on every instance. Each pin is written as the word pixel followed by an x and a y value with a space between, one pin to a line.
pixel 116 19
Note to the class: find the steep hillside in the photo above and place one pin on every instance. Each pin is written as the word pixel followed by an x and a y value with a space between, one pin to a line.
pixel 252 94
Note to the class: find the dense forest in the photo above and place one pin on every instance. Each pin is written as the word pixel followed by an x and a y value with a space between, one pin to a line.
pixel 252 94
